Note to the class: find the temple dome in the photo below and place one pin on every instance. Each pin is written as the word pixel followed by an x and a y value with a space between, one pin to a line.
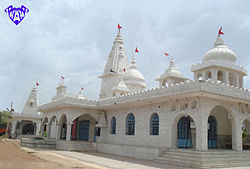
pixel 133 77
pixel 220 52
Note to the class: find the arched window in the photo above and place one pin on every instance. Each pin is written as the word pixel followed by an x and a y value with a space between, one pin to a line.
pixel 220 76
pixel 130 124
pixel 208 75
pixel 154 124
pixel 113 126
pixel 199 75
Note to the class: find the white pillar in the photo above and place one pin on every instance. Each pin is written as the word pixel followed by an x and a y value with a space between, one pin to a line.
pixel 201 131
pixel 214 75
pixel 68 136
pixel 237 135
pixel 38 128
pixel 237 80
pixel 59 127
pixel 226 77
pixel 48 130
pixel 13 130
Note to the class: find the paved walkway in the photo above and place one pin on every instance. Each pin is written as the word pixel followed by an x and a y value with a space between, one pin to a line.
pixel 98 160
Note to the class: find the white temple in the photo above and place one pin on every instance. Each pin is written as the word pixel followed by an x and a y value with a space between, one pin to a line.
pixel 177 122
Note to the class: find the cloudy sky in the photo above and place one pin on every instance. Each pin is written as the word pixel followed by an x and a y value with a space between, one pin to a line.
pixel 73 38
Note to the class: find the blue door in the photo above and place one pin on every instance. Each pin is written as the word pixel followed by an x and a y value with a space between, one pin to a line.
pixel 184 133
pixel 212 132
pixel 83 132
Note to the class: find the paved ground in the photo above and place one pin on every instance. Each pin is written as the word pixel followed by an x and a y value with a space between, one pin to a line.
pixel 12 156
pixel 101 160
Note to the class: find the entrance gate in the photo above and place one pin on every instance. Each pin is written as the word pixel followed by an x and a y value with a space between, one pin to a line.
pixel 184 133
pixel 212 132
pixel 83 132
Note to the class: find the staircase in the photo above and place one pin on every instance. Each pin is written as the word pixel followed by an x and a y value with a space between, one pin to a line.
pixel 205 159
pixel 79 146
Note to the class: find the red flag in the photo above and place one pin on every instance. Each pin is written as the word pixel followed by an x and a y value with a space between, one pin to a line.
pixel 166 54
pixel 119 26
pixel 82 88
pixel 124 70
pixel 220 32
pixel 62 77
pixel 37 84
pixel 136 50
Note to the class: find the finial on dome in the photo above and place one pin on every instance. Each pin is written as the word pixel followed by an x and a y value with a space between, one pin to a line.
pixel 219 41
pixel 80 95
pixel 133 65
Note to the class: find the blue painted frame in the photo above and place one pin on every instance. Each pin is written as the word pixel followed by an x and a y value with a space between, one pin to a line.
pixel 130 124
pixel 113 125
pixel 154 124
pixel 212 132
pixel 184 133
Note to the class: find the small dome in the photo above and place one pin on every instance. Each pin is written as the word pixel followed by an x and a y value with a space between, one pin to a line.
pixel 171 72
pixel 220 52
pixel 133 76
pixel 121 86
pixel 80 95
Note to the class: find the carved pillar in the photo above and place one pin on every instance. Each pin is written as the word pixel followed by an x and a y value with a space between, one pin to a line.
pixel 214 75
pixel 68 136
pixel 48 130
pixel 237 135
pixel 237 80
pixel 103 125
pixel 201 131
pixel 226 77
pixel 38 126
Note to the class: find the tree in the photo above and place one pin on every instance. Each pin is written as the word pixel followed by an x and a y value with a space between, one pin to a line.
pixel 5 117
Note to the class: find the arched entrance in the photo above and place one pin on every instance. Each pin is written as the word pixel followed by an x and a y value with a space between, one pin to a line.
pixel 44 128
pixel 212 132
pixel 83 128
pixel 28 127
pixel 186 132
pixel 246 134
pixel 63 127
pixel 220 128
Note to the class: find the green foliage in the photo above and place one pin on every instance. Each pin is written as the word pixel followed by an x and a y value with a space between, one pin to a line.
pixel 5 117
pixel 244 134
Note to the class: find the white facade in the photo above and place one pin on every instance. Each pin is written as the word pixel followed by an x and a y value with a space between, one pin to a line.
pixel 29 121
pixel 215 93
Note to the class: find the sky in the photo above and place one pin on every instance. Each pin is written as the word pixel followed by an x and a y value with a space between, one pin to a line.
pixel 73 38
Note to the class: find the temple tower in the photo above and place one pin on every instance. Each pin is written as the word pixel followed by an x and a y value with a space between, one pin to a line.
pixel 115 64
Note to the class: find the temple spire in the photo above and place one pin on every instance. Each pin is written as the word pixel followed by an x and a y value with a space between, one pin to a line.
pixel 31 104
pixel 116 62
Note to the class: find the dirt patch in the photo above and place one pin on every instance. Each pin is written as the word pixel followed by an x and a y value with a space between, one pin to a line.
pixel 12 157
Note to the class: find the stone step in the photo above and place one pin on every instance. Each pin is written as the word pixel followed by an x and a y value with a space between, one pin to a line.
pixel 208 155
pixel 205 159
pixel 75 146
pixel 213 152
pixel 209 159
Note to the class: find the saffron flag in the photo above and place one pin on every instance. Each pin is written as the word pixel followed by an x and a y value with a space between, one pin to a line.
pixel 220 32
pixel 136 50
pixel 119 26
pixel 62 77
